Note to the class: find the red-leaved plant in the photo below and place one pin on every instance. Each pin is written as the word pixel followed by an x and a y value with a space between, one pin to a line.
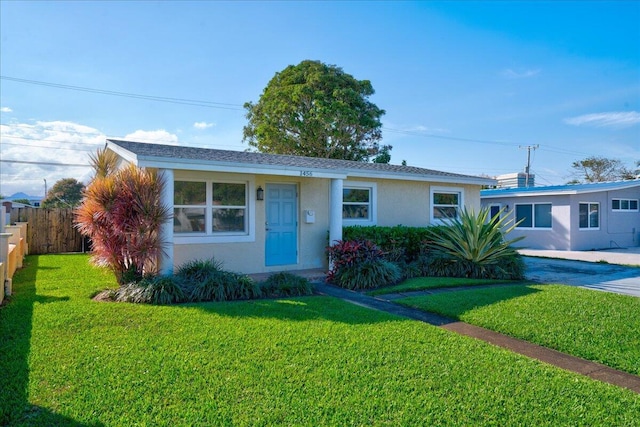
pixel 344 254
pixel 122 213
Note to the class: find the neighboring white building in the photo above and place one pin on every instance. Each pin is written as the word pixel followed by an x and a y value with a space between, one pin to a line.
pixel 572 217
pixel 260 212
pixel 516 180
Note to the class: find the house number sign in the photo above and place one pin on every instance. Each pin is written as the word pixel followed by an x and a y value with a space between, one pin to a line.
pixel 306 173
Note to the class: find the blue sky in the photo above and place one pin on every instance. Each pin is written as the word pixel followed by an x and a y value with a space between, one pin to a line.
pixel 465 85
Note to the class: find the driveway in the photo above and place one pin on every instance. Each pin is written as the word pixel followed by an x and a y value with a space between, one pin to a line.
pixel 586 273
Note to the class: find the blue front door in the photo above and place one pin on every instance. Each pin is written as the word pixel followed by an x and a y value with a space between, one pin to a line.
pixel 281 224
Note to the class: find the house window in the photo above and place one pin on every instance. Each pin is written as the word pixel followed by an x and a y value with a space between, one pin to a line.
pixel 358 203
pixel 189 207
pixel 446 203
pixel 628 205
pixel 589 214
pixel 196 201
pixel 534 215
pixel 229 207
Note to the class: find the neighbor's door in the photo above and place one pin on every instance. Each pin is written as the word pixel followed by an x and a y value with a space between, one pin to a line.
pixel 281 224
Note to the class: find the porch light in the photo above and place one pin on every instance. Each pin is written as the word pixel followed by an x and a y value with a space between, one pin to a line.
pixel 259 193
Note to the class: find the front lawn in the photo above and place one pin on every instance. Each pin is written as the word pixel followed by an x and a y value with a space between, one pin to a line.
pixel 594 325
pixel 425 283
pixel 315 361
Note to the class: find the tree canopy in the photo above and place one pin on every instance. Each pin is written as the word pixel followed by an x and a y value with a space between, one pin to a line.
pixel 316 110
pixel 65 193
pixel 600 169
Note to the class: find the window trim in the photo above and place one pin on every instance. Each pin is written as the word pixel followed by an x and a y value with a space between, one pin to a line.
pixel 620 199
pixel 249 235
pixel 373 202
pixel 533 216
pixel 588 227
pixel 445 190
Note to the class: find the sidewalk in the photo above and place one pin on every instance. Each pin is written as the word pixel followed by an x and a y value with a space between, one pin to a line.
pixel 571 363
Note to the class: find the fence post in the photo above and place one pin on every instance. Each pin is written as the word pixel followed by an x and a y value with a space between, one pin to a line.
pixel 4 259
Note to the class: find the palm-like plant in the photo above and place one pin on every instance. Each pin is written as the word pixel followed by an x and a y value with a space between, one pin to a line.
pixel 122 214
pixel 475 241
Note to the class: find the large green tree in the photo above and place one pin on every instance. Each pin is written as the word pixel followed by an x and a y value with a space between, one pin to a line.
pixel 600 169
pixel 65 193
pixel 316 110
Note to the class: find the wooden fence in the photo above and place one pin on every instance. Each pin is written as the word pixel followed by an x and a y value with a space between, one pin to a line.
pixel 50 231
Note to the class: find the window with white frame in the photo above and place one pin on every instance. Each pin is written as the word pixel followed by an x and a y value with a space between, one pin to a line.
pixel 189 207
pixel 358 202
pixel 589 216
pixel 533 215
pixel 210 208
pixel 446 203
pixel 624 205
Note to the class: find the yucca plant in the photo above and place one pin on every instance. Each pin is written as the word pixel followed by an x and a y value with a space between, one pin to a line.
pixel 122 213
pixel 474 244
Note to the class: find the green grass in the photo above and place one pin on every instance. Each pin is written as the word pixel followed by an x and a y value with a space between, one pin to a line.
pixel 598 326
pixel 425 283
pixel 315 361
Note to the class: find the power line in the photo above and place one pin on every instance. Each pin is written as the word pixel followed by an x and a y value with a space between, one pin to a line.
pixel 183 101
pixel 48 140
pixel 450 138
pixel 45 163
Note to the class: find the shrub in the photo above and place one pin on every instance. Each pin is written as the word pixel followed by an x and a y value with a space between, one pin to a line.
pixel 367 275
pixel 122 213
pixel 474 246
pixel 241 287
pixel 346 253
pixel 211 288
pixel 285 285
pixel 151 290
pixel 198 270
pixel 360 264
pixel 399 243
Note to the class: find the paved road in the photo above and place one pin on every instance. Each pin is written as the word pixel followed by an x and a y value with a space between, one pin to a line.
pixel 592 275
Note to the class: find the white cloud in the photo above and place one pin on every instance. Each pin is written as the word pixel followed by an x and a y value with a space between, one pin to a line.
pixel 202 125
pixel 159 136
pixel 519 74
pixel 5 110
pixel 612 119
pixel 41 146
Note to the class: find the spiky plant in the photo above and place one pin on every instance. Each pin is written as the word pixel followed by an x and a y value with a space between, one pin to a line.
pixel 122 214
pixel 475 243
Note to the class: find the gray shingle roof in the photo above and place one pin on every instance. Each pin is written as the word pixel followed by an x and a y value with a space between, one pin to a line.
pixel 245 158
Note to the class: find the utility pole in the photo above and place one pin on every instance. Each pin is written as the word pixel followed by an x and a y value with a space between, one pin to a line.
pixel 526 171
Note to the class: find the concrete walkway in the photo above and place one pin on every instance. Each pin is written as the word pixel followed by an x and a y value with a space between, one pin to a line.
pixel 561 360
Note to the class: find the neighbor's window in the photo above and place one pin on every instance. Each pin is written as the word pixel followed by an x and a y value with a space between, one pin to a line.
pixel 229 207
pixel 589 215
pixel 624 205
pixel 535 215
pixel 196 201
pixel 356 203
pixel 446 204
pixel 189 200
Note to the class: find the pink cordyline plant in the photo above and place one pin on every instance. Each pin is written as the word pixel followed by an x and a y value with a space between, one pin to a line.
pixel 122 213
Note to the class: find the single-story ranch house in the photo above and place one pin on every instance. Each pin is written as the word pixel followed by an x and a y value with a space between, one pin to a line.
pixel 572 217
pixel 260 212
